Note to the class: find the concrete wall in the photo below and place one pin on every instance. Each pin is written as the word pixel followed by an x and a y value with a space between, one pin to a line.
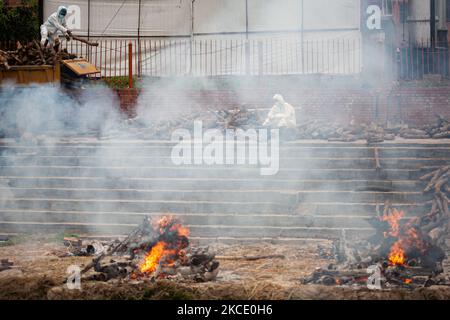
pixel 419 21
pixel 173 17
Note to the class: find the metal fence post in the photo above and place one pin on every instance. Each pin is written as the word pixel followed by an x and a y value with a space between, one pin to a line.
pixel 130 65
pixel 247 57
pixel 260 58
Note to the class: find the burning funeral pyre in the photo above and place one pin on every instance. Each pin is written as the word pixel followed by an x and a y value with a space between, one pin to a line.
pixel 403 252
pixel 158 248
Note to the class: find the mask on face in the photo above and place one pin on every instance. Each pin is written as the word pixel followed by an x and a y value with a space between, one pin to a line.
pixel 62 13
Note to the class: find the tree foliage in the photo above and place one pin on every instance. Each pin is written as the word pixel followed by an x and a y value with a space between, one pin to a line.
pixel 19 22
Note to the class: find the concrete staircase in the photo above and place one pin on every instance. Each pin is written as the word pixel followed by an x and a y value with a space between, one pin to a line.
pixel 105 188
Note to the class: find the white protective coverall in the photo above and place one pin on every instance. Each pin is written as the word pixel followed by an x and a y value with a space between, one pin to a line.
pixel 56 22
pixel 281 115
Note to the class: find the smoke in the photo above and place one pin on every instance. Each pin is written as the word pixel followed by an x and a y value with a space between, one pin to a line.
pixel 116 175
pixel 50 110
pixel 36 121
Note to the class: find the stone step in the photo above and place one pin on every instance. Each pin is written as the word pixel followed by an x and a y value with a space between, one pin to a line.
pixel 191 219
pixel 106 188
pixel 354 209
pixel 286 197
pixel 195 230
pixel 145 205
pixel 201 241
pixel 93 141
pixel 285 151
pixel 205 183
pixel 205 172
pixel 286 163
pixel 177 206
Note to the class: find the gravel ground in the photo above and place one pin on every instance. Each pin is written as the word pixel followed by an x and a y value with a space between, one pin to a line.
pixel 41 274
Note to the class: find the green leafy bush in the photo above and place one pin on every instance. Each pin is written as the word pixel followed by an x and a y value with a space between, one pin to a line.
pixel 121 82
pixel 19 23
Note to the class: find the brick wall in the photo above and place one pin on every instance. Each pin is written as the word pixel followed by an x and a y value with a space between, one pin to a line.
pixel 338 100
pixel 127 100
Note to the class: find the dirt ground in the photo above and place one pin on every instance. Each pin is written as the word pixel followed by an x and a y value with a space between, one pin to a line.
pixel 40 274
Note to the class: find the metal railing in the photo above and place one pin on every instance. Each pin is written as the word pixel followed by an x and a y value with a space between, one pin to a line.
pixel 414 62
pixel 159 57
pixel 215 57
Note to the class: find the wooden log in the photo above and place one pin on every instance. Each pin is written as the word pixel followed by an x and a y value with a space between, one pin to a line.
pixel 89 43
pixel 39 50
pixel 436 234
pixel 440 182
pixel 415 136
pixel 429 216
pixel 436 177
pixel 433 225
pixel 251 258
pixel 428 175
pixel 439 203
pixel 355 273
pixel 72 241
pixel 444 204
pixel 377 159
pixel 442 135
pixel 374 139
pixel 414 131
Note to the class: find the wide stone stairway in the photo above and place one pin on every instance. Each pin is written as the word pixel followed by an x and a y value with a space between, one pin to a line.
pixel 104 188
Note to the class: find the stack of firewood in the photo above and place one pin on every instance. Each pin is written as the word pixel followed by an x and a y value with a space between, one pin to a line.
pixel 439 130
pixel 238 117
pixel 32 53
pixel 372 132
pixel 320 129
pixel 437 222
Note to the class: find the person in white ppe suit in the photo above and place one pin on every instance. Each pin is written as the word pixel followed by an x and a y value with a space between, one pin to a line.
pixel 54 24
pixel 282 114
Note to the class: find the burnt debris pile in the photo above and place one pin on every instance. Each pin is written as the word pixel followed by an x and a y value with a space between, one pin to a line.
pixel 156 249
pixel 403 252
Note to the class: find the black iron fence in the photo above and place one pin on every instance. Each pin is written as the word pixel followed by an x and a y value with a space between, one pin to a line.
pixel 415 62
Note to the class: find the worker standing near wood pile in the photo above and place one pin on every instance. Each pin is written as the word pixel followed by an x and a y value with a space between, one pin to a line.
pixel 56 22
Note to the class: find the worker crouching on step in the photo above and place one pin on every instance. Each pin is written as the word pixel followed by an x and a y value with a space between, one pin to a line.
pixel 282 116
pixel 54 24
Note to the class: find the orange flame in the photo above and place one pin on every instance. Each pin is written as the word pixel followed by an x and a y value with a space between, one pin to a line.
pixel 153 258
pixel 183 231
pixel 397 254
pixel 407 237
pixel 393 218
pixel 162 249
